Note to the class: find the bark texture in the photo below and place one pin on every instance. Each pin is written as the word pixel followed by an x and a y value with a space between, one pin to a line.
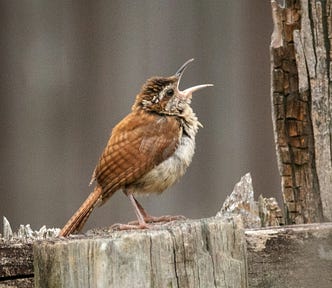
pixel 301 104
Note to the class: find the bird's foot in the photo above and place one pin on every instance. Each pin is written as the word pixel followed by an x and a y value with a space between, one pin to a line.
pixel 153 219
pixel 149 221
pixel 130 226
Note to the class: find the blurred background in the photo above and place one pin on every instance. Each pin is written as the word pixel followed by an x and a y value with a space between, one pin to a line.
pixel 70 71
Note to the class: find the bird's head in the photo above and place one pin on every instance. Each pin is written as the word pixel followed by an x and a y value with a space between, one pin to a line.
pixel 162 94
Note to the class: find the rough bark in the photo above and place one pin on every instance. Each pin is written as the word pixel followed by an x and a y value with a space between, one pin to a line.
pixel 301 106
pixel 195 253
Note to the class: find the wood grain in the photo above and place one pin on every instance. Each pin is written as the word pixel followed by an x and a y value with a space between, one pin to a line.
pixel 193 253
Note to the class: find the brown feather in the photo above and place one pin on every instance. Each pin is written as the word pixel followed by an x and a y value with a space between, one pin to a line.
pixel 129 154
pixel 77 221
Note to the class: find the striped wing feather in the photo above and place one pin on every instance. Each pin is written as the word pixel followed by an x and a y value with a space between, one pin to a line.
pixel 138 143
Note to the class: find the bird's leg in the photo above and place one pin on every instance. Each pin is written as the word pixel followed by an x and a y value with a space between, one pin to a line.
pixel 152 219
pixel 139 211
pixel 143 217
pixel 140 214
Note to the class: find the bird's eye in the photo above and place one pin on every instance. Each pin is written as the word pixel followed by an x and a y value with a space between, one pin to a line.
pixel 170 92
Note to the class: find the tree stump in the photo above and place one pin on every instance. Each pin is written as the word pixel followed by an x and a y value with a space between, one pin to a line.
pixel 194 253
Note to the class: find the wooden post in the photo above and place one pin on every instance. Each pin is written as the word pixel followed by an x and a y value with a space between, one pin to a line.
pixel 195 253
pixel 290 256
pixel 302 107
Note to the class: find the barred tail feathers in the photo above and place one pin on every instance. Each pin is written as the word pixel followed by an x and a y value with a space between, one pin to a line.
pixel 77 221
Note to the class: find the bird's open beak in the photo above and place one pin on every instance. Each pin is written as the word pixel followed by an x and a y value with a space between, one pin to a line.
pixel 187 93
pixel 180 71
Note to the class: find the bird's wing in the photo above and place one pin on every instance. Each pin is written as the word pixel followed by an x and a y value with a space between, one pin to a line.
pixel 138 143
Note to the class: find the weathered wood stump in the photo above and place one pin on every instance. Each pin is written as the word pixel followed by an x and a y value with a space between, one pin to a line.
pixel 194 253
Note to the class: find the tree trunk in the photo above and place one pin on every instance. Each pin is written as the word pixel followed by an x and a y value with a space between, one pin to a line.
pixel 302 108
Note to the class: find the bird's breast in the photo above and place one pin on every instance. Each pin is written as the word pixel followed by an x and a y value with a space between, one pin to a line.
pixel 169 171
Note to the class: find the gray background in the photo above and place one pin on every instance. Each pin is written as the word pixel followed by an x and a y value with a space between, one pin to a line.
pixel 70 72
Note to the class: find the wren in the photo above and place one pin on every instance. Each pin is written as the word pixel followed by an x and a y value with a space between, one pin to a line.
pixel 148 151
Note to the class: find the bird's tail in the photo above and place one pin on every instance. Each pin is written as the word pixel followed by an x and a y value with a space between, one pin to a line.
pixel 77 221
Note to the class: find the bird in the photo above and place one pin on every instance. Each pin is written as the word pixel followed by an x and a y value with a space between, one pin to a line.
pixel 147 152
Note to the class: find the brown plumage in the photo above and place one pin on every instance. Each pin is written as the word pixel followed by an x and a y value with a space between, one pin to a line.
pixel 147 151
